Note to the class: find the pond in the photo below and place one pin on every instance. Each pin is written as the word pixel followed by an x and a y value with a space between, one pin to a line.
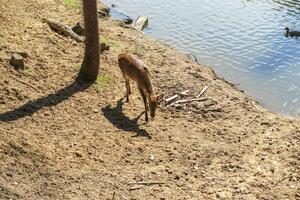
pixel 242 40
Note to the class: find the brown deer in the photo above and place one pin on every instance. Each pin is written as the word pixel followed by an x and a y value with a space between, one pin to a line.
pixel 136 70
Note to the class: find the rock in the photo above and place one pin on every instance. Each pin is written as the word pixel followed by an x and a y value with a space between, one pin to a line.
pixel 103 11
pixel 151 157
pixel 223 195
pixel 123 17
pixel 104 47
pixel 78 154
pixel 140 23
pixel 95 111
pixel 78 29
pixel 17 61
pixel 23 54
pixel 127 20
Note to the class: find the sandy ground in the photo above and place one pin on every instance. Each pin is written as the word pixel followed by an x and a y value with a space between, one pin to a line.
pixel 61 139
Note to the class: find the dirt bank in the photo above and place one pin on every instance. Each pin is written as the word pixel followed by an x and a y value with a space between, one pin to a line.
pixel 61 139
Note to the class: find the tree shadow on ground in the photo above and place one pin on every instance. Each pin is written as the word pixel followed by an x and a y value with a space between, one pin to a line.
pixel 118 119
pixel 47 101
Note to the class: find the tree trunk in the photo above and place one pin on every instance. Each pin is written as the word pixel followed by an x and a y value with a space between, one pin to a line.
pixel 90 65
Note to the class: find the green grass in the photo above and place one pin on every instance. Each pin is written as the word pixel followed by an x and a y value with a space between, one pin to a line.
pixel 120 48
pixel 103 82
pixel 136 51
pixel 29 71
pixel 72 3
pixel 113 44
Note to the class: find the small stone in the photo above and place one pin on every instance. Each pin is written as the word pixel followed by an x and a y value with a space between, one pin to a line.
pixel 177 177
pixel 78 154
pixel 17 61
pixel 151 157
pixel 103 11
pixel 223 195
pixel 95 110
pixel 78 29
pixel 104 47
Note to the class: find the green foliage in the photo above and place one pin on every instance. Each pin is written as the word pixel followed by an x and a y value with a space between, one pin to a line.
pixel 72 3
pixel 136 51
pixel 103 81
pixel 29 71
pixel 113 44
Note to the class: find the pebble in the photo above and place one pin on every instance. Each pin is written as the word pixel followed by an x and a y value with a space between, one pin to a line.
pixel 152 157
pixel 95 110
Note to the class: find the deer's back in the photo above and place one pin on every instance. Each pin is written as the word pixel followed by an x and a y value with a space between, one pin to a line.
pixel 135 69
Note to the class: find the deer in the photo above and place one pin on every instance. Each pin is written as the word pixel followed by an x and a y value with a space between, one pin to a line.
pixel 136 70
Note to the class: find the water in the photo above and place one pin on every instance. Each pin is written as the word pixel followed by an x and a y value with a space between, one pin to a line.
pixel 242 40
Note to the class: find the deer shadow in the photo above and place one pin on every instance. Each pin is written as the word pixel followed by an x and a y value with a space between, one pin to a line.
pixel 50 100
pixel 116 116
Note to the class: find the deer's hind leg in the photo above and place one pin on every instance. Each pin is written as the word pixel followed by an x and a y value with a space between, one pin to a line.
pixel 145 103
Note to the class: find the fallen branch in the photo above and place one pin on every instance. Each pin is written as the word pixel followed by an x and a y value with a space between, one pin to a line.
pixel 202 91
pixel 184 93
pixel 64 30
pixel 23 82
pixel 252 120
pixel 187 101
pixel 256 106
pixel 213 110
pixel 285 177
pixel 191 100
pixel 171 98
pixel 146 183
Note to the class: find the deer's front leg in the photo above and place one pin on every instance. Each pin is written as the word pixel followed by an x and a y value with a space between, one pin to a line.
pixel 145 103
pixel 128 90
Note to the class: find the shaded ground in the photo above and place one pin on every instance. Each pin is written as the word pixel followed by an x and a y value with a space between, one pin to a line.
pixel 63 139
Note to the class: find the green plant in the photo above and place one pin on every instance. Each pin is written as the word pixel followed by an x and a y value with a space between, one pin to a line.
pixel 113 44
pixel 136 51
pixel 29 71
pixel 103 81
pixel 72 3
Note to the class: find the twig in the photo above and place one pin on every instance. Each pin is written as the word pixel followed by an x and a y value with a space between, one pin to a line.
pixel 190 100
pixel 113 197
pixel 146 183
pixel 202 91
pixel 171 98
pixel 285 177
pixel 252 120
pixel 64 30
pixel 255 106
pixel 187 101
pixel 24 83
pixel 184 93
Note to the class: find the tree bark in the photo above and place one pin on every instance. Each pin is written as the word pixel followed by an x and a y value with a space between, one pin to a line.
pixel 90 65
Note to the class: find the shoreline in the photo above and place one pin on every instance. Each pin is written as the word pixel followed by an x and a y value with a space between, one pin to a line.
pixel 273 106
pixel 65 140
